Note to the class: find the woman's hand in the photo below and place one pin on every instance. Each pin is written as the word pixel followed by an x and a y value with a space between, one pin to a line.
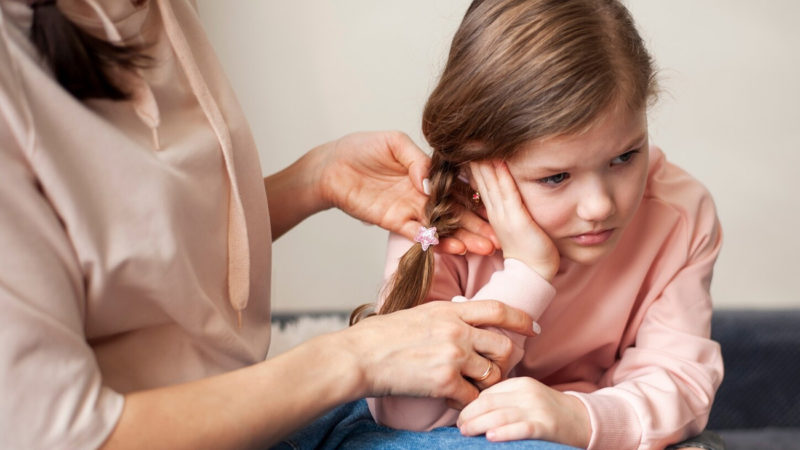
pixel 378 177
pixel 520 237
pixel 523 408
pixel 428 350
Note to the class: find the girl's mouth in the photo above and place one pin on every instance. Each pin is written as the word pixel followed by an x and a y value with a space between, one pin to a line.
pixel 595 238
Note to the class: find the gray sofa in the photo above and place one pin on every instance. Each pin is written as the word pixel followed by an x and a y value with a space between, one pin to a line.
pixel 758 403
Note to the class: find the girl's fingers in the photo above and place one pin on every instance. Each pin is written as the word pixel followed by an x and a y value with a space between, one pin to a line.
pixel 489 420
pixel 505 182
pixel 512 432
pixel 502 395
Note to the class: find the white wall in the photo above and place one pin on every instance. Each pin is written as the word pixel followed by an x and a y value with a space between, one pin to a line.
pixel 308 71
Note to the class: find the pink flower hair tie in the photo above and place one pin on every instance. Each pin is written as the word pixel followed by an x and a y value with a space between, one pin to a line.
pixel 426 237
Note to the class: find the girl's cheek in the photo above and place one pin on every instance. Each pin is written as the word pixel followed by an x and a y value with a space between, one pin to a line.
pixel 549 213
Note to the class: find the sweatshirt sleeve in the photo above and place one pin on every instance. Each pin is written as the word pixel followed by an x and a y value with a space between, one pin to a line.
pixel 516 285
pixel 50 385
pixel 661 389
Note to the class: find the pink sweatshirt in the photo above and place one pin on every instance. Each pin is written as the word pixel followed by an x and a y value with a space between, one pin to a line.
pixel 124 259
pixel 628 336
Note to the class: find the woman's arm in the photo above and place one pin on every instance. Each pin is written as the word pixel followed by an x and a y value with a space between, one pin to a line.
pixel 425 351
pixel 376 177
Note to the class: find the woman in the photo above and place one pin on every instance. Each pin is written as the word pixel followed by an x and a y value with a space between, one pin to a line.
pixel 135 234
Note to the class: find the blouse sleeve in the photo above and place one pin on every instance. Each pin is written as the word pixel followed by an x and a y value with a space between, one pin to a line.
pixel 516 285
pixel 51 388
pixel 661 389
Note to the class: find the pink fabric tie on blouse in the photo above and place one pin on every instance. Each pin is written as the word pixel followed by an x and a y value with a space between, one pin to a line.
pixel 144 104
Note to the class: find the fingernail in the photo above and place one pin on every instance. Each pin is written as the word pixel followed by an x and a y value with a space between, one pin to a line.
pixel 490 435
pixel 536 328
pixel 426 186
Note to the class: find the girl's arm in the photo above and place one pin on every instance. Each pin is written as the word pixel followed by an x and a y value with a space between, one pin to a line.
pixel 376 177
pixel 515 284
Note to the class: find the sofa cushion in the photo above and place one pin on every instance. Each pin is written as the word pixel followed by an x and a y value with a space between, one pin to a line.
pixel 761 351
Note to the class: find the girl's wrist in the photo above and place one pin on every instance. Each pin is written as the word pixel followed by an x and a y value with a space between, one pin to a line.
pixel 581 433
pixel 544 270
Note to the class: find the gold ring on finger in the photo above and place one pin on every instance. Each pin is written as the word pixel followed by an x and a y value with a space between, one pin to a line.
pixel 485 373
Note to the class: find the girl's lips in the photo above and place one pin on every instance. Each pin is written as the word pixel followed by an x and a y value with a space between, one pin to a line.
pixel 593 238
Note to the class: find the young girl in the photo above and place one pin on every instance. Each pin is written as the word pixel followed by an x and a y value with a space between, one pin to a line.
pixel 539 123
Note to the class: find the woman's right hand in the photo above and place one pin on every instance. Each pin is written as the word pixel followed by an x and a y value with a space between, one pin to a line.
pixel 520 236
pixel 430 350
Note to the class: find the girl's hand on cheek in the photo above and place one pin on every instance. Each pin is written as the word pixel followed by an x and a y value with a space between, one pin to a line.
pixel 523 408
pixel 520 237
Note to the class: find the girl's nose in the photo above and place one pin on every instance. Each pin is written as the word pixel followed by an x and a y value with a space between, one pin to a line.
pixel 596 203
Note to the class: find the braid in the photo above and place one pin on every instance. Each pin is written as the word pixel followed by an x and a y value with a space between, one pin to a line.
pixel 412 281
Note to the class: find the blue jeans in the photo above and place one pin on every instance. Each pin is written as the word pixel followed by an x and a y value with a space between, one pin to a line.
pixel 351 426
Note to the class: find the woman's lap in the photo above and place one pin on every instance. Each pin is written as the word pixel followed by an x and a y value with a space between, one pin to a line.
pixel 351 426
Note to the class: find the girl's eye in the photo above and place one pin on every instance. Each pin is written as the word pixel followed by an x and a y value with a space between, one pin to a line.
pixel 623 158
pixel 554 179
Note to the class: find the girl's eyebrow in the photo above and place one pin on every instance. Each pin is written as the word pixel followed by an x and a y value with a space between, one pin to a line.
pixel 632 145
pixel 635 142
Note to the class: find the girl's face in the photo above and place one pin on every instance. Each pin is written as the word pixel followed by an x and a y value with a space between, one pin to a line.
pixel 584 189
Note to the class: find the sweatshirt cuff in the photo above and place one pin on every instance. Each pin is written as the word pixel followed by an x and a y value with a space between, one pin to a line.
pixel 614 422
pixel 519 286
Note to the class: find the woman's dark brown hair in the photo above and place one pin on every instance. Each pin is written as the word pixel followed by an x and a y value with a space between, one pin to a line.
pixel 80 61
pixel 518 71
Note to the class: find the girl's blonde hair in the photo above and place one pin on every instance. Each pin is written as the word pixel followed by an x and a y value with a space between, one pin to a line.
pixel 518 70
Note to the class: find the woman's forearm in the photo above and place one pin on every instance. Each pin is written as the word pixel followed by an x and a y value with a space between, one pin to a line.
pixel 293 193
pixel 423 351
pixel 250 407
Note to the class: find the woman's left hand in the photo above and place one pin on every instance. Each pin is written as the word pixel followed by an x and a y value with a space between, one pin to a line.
pixel 377 177
pixel 523 408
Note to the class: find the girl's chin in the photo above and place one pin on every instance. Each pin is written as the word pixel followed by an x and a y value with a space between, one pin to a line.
pixel 586 256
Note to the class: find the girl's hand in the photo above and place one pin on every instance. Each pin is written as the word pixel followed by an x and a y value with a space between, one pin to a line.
pixel 377 177
pixel 523 408
pixel 520 237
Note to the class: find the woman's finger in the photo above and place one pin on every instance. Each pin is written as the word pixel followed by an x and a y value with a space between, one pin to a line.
pixel 483 313
pixel 473 223
pixel 492 345
pixel 475 236
pixel 407 153
pixel 482 371
pixel 461 393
